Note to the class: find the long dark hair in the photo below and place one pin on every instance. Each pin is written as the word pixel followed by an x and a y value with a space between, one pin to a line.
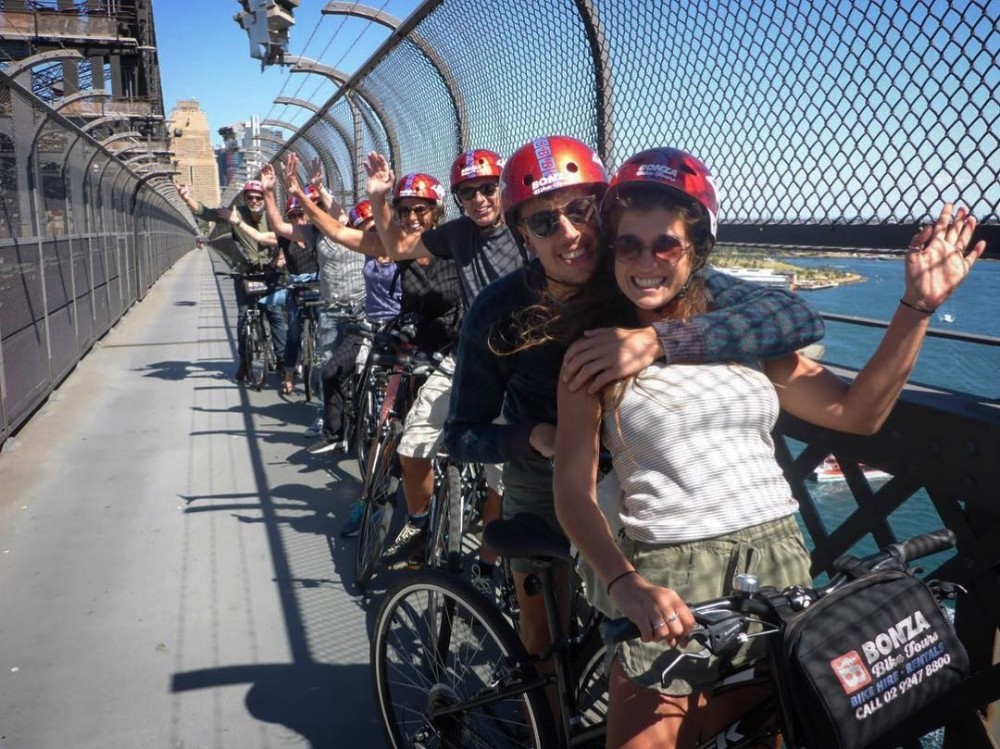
pixel 598 302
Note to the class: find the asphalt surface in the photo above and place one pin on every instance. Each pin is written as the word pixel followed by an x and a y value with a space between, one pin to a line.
pixel 170 570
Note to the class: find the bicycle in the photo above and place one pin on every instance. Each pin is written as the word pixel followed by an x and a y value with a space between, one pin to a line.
pixel 307 297
pixel 258 353
pixel 395 372
pixel 450 669
pixel 459 491
pixel 725 624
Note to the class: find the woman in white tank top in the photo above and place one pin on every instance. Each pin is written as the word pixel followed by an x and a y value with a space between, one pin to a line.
pixel 692 444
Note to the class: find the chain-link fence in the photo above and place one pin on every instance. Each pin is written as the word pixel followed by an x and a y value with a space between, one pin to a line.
pixel 825 123
pixel 84 232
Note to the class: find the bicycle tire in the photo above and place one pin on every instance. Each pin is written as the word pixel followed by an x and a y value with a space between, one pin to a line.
pixel 439 521
pixel 457 502
pixel 473 652
pixel 306 357
pixel 366 428
pixel 591 680
pixel 379 487
pixel 256 346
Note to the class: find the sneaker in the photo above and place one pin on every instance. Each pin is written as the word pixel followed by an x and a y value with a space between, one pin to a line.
pixel 409 539
pixel 315 429
pixel 325 445
pixel 353 525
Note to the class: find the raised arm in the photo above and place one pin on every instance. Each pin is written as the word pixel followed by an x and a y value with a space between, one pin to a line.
pixel 274 218
pixel 365 243
pixel 936 263
pixel 750 322
pixel 266 238
pixel 317 179
pixel 196 208
pixel 398 246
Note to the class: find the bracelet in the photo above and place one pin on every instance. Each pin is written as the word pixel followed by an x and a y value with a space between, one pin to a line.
pixel 619 577
pixel 916 308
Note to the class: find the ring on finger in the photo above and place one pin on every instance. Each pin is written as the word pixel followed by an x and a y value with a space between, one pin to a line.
pixel 657 625
pixel 672 618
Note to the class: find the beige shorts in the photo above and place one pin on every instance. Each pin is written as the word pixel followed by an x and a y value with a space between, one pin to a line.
pixel 702 570
pixel 423 431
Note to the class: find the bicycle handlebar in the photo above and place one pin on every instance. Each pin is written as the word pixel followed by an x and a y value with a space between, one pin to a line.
pixel 718 621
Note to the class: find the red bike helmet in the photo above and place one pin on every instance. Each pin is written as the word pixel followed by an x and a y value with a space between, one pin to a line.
pixel 360 213
pixel 253 185
pixel 546 164
pixel 475 164
pixel 418 185
pixel 312 192
pixel 293 204
pixel 673 169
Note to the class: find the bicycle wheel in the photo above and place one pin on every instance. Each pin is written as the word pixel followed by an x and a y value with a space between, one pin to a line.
pixel 306 357
pixel 589 665
pixel 447 667
pixel 456 515
pixel 446 495
pixel 366 425
pixel 257 349
pixel 380 487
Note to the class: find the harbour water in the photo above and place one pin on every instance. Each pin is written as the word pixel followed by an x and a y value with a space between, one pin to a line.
pixel 953 365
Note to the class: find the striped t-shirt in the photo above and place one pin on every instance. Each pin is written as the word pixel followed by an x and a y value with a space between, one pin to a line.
pixel 692 447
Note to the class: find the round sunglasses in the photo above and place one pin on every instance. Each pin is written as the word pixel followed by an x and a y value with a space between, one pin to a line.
pixel 665 249
pixel 468 192
pixel 418 210
pixel 577 211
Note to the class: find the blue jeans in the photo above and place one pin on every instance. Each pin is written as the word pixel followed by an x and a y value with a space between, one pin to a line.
pixel 329 336
pixel 273 305
pixel 293 343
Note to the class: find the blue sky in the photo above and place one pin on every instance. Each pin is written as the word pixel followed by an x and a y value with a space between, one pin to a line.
pixel 205 55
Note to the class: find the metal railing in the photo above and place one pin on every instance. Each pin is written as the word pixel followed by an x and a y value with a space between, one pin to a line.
pixel 828 125
pixel 83 236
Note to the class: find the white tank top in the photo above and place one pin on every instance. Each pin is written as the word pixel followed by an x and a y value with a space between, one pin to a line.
pixel 692 447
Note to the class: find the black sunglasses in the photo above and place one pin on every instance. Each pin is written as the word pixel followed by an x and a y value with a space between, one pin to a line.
pixel 544 223
pixel 487 190
pixel 665 248
pixel 296 214
pixel 418 210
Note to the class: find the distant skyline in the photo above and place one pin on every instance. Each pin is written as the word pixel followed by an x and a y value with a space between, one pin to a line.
pixel 205 55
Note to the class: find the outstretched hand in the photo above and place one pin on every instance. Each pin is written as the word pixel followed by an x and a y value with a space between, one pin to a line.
pixel 268 179
pixel 316 174
pixel 182 190
pixel 290 174
pixel 938 258
pixel 380 176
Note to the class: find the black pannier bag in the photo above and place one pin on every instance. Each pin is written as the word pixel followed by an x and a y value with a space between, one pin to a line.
pixel 865 659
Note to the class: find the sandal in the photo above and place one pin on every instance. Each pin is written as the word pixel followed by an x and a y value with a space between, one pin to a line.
pixel 286 387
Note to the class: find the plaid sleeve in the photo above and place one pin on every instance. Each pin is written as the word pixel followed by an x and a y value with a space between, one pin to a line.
pixel 750 322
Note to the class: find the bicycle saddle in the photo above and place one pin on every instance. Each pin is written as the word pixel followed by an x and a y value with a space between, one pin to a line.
pixel 526 536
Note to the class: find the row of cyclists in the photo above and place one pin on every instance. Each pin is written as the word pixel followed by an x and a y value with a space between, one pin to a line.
pixel 589 317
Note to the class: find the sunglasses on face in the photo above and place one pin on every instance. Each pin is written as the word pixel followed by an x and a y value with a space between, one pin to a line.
pixel 253 197
pixel 296 214
pixel 578 211
pixel 665 248
pixel 418 210
pixel 487 190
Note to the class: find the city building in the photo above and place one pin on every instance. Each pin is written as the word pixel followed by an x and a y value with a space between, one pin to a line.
pixel 191 142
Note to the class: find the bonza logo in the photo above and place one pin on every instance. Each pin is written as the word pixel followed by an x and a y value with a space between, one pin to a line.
pixel 657 171
pixel 906 629
pixel 851 671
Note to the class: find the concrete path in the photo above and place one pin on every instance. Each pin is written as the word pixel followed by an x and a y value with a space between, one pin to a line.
pixel 170 570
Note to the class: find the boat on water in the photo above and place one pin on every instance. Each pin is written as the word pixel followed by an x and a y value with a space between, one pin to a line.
pixel 829 470
pixel 763 276
pixel 946 317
